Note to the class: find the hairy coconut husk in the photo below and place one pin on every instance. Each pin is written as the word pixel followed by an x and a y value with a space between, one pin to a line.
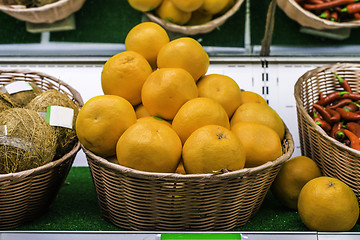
pixel 29 141
pixel 5 102
pixel 21 99
pixel 66 137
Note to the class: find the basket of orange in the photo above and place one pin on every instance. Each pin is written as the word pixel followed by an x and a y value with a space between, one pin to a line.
pixel 174 148
pixel 322 15
pixel 40 11
pixel 188 17
pixel 333 149
pixel 36 155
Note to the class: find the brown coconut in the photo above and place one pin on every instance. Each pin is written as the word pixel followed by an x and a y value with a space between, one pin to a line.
pixel 66 137
pixel 28 142
pixel 21 99
pixel 5 102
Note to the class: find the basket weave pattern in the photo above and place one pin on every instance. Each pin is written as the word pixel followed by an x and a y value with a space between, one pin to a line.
pixel 197 29
pixel 138 200
pixel 334 158
pixel 26 195
pixel 48 13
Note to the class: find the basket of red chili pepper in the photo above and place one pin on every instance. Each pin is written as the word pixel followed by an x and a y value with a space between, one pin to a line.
pixel 323 14
pixel 328 113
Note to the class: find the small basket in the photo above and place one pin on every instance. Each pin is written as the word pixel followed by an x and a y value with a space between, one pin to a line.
pixel 48 13
pixel 308 19
pixel 333 158
pixel 138 200
pixel 196 29
pixel 28 194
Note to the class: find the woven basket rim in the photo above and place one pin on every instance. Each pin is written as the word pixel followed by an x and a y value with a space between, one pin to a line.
pixel 289 144
pixel 75 93
pixel 322 23
pixel 203 28
pixel 35 9
pixel 300 105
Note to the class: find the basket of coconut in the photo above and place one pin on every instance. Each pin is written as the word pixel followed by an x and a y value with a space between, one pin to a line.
pixel 37 146
pixel 40 11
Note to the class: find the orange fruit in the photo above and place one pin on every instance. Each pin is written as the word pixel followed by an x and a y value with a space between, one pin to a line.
pixel 188 5
pixel 149 146
pixel 184 53
pixel 124 74
pixel 180 168
pixel 211 149
pixel 293 175
pixel 196 113
pixel 259 113
pixel 328 204
pixel 198 18
pixel 261 143
pixel 166 90
pixel 214 6
pixel 147 38
pixel 248 96
pixel 169 12
pixel 144 5
pixel 101 122
pixel 141 111
pixel 221 88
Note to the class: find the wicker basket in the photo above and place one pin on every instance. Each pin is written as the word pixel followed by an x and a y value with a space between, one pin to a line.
pixel 26 195
pixel 197 29
pixel 333 158
pixel 49 13
pixel 307 19
pixel 138 200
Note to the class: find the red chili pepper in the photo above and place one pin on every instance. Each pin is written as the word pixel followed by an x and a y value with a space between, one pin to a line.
pixel 323 124
pixel 341 103
pixel 354 127
pixel 352 107
pixel 324 114
pixel 343 83
pixel 328 5
pixel 332 97
pixel 325 14
pixel 352 8
pixel 335 116
pixel 337 131
pixel 349 116
pixel 354 140
pixel 334 16
pixel 357 15
pixel 353 96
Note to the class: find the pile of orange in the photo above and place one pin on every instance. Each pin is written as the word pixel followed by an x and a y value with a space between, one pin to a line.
pixel 162 112
pixel 184 12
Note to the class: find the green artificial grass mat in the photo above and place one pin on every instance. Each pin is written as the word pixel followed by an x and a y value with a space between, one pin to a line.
pixel 109 22
pixel 14 31
pixel 76 209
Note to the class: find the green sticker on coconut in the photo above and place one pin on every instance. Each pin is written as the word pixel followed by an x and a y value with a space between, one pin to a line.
pixel 18 86
pixel 60 116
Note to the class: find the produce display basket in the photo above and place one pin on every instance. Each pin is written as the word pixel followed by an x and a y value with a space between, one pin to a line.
pixel 138 200
pixel 197 29
pixel 334 158
pixel 48 13
pixel 308 19
pixel 27 194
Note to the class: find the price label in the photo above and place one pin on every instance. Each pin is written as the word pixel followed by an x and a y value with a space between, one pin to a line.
pixel 200 236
